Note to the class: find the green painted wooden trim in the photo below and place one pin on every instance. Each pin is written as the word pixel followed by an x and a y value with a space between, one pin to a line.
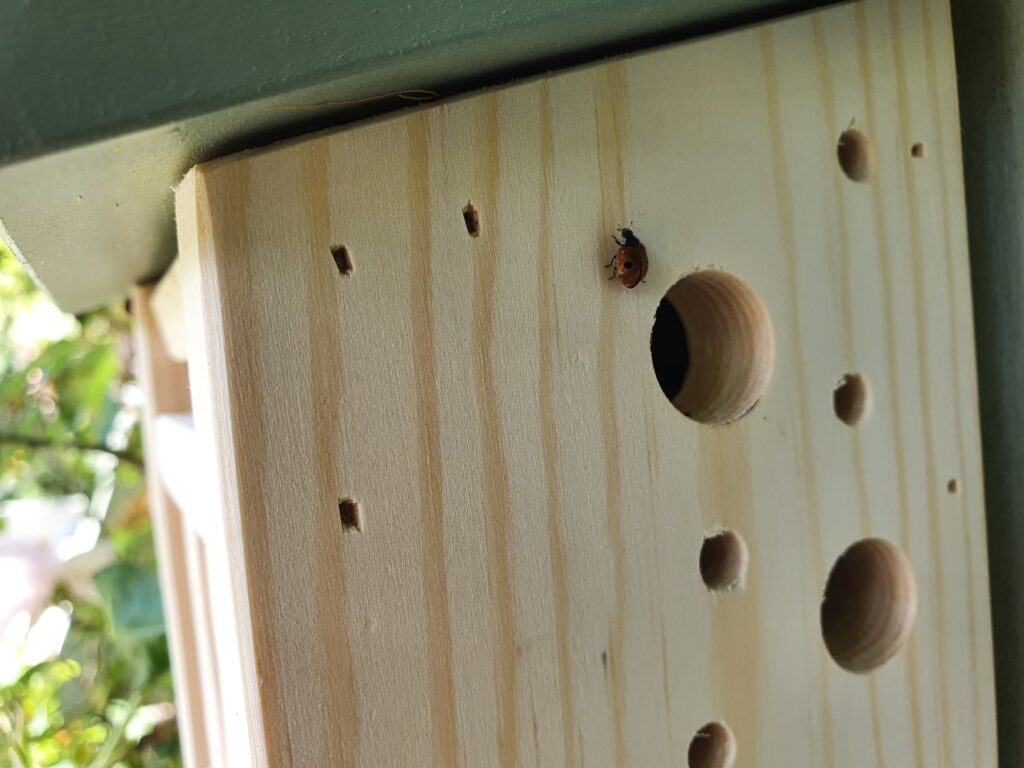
pixel 78 72
pixel 989 36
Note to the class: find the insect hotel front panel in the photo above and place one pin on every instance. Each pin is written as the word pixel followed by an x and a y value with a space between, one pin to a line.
pixel 623 417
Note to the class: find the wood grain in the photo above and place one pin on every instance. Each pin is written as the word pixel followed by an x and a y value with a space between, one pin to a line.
pixel 167 305
pixel 165 384
pixel 526 586
pixel 225 618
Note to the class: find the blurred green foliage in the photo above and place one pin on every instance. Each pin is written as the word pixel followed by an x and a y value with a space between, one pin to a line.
pixel 61 398
pixel 68 425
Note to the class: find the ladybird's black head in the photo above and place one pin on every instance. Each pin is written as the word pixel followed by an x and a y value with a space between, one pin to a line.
pixel 628 238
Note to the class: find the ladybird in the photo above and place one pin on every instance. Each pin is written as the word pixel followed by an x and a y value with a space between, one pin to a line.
pixel 629 264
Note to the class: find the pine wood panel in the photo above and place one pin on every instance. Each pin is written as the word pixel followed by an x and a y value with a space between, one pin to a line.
pixel 167 306
pixel 165 383
pixel 216 558
pixel 525 589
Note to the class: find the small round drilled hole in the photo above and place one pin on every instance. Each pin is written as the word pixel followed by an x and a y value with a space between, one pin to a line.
pixel 917 150
pixel 351 513
pixel 471 219
pixel 857 156
pixel 723 562
pixel 713 746
pixel 712 347
pixel 851 399
pixel 953 486
pixel 870 605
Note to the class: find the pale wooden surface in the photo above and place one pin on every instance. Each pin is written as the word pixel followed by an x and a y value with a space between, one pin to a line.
pixel 167 306
pixel 225 620
pixel 204 589
pixel 165 384
pixel 525 590
pixel 180 470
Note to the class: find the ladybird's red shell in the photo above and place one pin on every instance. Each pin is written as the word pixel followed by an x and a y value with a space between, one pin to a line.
pixel 630 265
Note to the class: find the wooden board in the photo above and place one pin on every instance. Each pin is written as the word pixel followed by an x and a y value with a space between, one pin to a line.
pixel 165 384
pixel 525 587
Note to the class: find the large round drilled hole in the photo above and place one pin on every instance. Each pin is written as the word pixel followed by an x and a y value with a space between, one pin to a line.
pixel 723 561
pixel 870 605
pixel 713 746
pixel 851 399
pixel 857 156
pixel 712 347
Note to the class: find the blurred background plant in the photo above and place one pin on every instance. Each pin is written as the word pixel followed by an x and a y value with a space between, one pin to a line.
pixel 84 677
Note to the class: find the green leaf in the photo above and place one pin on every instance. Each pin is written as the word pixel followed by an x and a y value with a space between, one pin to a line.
pixel 131 594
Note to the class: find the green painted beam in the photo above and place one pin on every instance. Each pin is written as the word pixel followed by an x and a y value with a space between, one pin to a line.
pixel 989 36
pixel 104 106
pixel 78 72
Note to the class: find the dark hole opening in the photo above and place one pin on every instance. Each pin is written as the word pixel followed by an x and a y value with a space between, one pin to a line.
pixel 351 514
pixel 669 350
pixel 342 259
pixel 723 562
pixel 472 219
